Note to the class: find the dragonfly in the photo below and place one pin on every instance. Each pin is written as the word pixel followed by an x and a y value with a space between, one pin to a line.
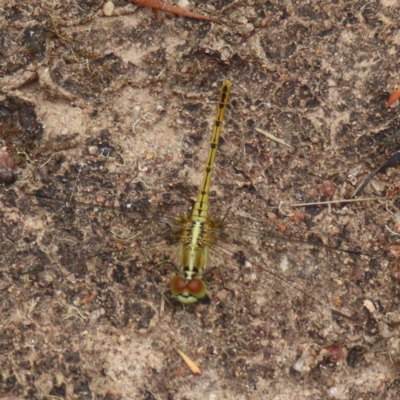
pixel 200 236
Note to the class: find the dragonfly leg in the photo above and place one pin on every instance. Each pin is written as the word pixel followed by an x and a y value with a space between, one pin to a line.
pixel 225 215
pixel 208 295
pixel 170 262
pixel 164 296
pixel 222 277
pixel 209 270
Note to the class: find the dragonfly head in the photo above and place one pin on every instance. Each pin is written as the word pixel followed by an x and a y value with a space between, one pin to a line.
pixel 188 291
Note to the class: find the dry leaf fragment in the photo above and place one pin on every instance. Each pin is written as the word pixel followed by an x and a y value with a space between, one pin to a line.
pixel 192 366
pixel 394 96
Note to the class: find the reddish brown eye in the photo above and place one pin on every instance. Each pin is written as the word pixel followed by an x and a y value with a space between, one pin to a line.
pixel 178 285
pixel 197 288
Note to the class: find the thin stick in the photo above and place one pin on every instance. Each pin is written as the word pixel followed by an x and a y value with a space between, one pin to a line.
pixel 272 137
pixel 76 182
pixel 317 203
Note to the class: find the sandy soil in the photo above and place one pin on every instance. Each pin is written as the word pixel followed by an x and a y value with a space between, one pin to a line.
pixel 117 110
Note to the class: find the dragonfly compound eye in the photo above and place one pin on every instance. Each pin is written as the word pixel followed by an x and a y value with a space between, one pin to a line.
pixel 188 292
pixel 178 285
pixel 197 288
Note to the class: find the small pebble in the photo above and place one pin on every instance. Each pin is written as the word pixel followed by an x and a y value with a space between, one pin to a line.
pixel 96 314
pixel 328 25
pixel 328 189
pixel 338 302
pixel 101 199
pixel 7 175
pixel 108 8
pixel 396 226
pixel 93 150
pixel 395 250
pixel 7 165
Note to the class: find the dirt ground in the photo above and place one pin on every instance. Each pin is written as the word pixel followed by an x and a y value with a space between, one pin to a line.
pixel 118 110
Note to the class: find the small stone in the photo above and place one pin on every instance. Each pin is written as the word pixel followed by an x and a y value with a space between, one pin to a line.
pixel 328 189
pixel 185 69
pixel 264 22
pixel 338 302
pixel 93 150
pixel 7 176
pixel 337 353
pixel 395 250
pixel 328 25
pixel 100 199
pixel 7 165
pixel 96 314
pixel 108 8
pixel 396 225
pixel 5 159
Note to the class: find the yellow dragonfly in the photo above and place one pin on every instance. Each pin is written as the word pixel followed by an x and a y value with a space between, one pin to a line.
pixel 199 231
pixel 199 236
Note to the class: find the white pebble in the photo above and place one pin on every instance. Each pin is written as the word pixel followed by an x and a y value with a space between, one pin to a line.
pixel 284 264
pixel 108 8
pixel 299 365
pixel 93 150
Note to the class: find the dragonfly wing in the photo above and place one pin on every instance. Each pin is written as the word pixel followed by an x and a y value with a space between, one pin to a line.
pixel 312 272
pixel 93 231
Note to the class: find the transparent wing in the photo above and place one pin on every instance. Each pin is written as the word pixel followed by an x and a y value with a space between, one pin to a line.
pixel 132 224
pixel 312 272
